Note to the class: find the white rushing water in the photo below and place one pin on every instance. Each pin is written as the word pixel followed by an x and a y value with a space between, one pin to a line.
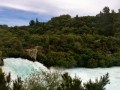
pixel 22 67
pixel 86 74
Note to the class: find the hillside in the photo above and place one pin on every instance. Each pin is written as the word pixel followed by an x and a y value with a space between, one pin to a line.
pixel 65 41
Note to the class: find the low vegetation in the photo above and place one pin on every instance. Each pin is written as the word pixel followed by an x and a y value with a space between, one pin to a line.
pixel 51 81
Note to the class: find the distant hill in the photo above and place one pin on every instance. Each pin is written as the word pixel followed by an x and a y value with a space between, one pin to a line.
pixel 65 41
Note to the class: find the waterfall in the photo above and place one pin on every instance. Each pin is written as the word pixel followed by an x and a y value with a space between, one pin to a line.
pixel 23 67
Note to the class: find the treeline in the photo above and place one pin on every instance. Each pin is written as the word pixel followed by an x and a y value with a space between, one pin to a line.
pixel 65 41
pixel 51 81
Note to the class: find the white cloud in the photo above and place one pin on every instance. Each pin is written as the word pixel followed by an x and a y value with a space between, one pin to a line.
pixel 57 7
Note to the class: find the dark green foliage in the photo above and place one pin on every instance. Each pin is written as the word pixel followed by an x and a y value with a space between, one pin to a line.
pixel 97 85
pixel 88 41
pixel 106 10
pixel 18 84
pixel 32 23
pixel 4 81
pixel 69 83
pixel 37 22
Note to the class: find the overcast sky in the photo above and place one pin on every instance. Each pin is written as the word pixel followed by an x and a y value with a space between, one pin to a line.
pixel 19 12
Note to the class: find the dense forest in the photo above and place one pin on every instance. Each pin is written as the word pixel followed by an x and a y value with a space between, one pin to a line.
pixel 65 41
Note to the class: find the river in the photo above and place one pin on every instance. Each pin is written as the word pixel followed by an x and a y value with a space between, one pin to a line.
pixel 23 67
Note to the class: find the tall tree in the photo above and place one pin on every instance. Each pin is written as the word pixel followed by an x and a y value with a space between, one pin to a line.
pixel 106 22
pixel 32 23
pixel 118 10
pixel 106 10
pixel 37 22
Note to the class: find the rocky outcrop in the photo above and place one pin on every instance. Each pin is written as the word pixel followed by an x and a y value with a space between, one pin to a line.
pixel 32 52
pixel 1 59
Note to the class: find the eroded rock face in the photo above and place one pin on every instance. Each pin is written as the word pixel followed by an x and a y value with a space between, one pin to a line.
pixel 32 52
pixel 1 59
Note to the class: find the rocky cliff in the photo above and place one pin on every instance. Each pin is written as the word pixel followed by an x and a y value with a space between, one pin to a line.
pixel 32 52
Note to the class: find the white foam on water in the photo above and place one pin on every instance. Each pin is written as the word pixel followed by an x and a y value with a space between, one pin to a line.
pixel 23 67
pixel 86 74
